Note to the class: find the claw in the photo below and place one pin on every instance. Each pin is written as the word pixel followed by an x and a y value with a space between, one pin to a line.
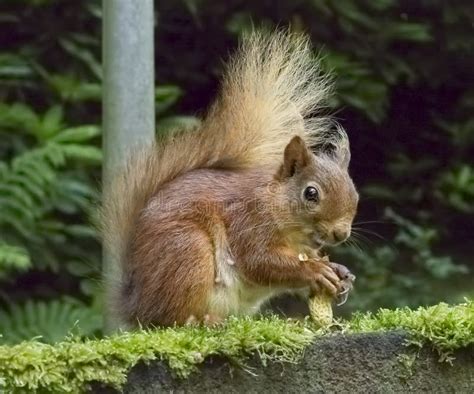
pixel 344 292
pixel 342 297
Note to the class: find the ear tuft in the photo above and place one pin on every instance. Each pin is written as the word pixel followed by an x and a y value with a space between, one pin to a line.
pixel 296 157
pixel 334 144
pixel 345 158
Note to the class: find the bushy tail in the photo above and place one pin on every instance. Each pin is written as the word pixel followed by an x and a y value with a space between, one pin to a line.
pixel 272 86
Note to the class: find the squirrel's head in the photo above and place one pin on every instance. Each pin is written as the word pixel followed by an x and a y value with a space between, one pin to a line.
pixel 321 196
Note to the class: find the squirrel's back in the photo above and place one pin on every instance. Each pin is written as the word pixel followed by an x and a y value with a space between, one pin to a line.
pixel 271 89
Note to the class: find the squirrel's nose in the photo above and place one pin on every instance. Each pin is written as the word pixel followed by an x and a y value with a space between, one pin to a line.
pixel 340 235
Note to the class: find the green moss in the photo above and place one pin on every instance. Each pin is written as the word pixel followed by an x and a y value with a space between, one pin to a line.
pixel 445 327
pixel 69 366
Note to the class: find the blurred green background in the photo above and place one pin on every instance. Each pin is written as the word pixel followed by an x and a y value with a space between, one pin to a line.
pixel 404 92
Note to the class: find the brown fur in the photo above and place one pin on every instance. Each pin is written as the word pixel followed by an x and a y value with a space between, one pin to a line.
pixel 210 222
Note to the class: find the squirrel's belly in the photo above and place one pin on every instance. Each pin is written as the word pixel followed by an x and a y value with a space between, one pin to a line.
pixel 237 298
pixel 232 296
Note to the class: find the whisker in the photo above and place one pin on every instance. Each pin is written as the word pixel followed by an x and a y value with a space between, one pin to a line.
pixel 369 232
pixel 361 238
pixel 353 243
pixel 375 222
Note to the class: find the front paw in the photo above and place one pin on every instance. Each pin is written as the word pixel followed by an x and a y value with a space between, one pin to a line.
pixel 347 281
pixel 325 279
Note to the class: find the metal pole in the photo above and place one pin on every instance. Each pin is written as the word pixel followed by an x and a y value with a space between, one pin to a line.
pixel 128 94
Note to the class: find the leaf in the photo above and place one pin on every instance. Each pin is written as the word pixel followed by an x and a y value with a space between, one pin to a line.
pixel 70 88
pixel 14 66
pixel 240 22
pixel 83 153
pixel 176 122
pixel 13 258
pixel 49 321
pixel 17 192
pixel 81 231
pixel 165 97
pixel 84 54
pixel 407 31
pixel 20 118
pixel 51 123
pixel 77 134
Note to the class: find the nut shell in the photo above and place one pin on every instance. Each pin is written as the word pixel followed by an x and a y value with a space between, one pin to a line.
pixel 320 308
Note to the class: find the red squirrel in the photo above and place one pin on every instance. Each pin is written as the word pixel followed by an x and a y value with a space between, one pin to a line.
pixel 209 222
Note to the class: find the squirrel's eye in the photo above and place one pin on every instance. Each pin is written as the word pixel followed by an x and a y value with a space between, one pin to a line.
pixel 311 194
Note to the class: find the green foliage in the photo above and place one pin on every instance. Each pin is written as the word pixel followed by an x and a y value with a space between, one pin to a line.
pixel 457 188
pixel 49 162
pixel 39 189
pixel 13 258
pixel 50 158
pixel 71 365
pixel 403 273
pixel 48 321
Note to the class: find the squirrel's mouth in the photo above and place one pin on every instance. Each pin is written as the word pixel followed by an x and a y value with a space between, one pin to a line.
pixel 317 242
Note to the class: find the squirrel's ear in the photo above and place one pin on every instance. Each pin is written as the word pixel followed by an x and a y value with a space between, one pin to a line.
pixel 344 158
pixel 335 145
pixel 341 154
pixel 296 157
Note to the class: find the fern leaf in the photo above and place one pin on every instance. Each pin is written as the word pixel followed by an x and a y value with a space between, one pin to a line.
pixel 16 223
pixel 32 188
pixel 83 153
pixel 34 185
pixel 17 192
pixel 51 321
pixel 77 134
pixel 51 123
pixel 16 206
pixel 13 258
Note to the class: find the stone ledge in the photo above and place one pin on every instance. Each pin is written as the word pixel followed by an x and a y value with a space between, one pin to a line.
pixel 356 363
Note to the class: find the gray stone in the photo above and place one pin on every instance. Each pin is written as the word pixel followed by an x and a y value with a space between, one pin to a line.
pixel 358 363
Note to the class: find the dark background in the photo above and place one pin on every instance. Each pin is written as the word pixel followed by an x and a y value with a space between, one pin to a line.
pixel 404 93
